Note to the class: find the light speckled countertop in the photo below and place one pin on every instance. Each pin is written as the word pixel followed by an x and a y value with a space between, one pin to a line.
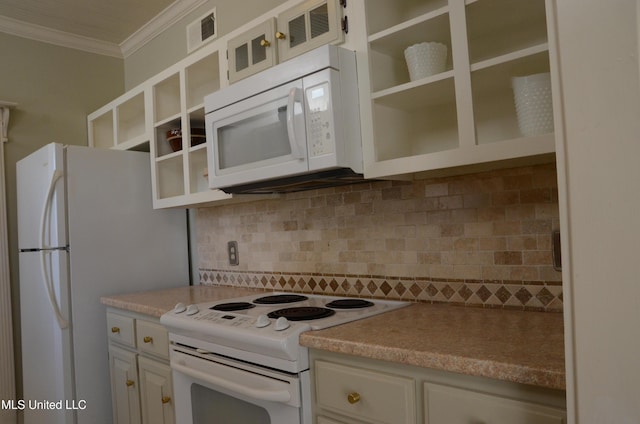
pixel 523 347
pixel 157 302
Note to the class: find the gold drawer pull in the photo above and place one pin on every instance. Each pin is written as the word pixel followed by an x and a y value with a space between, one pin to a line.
pixel 353 397
pixel 166 399
pixel 265 43
pixel 115 329
pixel 280 35
pixel 130 383
pixel 147 339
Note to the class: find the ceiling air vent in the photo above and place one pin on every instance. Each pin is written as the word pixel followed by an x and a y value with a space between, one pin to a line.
pixel 201 31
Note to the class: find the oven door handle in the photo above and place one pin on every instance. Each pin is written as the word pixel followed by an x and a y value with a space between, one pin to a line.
pixel 282 396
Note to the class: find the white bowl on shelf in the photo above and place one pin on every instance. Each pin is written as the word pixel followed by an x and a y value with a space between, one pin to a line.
pixel 425 59
pixel 534 109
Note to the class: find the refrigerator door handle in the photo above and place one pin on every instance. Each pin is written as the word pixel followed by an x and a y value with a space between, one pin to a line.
pixel 62 322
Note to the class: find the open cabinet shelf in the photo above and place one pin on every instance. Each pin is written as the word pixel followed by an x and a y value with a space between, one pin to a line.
pixel 386 49
pixel 201 78
pixel 179 107
pixel 466 114
pixel 141 118
pixel 122 124
pixel 498 27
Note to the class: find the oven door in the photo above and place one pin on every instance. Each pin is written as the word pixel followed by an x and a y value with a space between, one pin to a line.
pixel 258 138
pixel 216 390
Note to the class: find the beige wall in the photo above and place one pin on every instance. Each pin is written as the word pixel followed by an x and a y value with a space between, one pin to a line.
pixel 171 46
pixel 55 89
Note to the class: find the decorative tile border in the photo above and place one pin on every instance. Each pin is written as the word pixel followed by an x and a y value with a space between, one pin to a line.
pixel 524 295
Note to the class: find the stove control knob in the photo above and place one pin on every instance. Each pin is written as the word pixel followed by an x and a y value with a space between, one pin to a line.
pixel 179 308
pixel 192 309
pixel 262 321
pixel 281 324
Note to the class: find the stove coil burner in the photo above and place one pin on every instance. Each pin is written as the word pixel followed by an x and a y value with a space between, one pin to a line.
pixel 233 306
pixel 280 298
pixel 349 304
pixel 303 313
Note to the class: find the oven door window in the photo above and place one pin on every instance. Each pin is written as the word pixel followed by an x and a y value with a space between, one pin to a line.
pixel 211 407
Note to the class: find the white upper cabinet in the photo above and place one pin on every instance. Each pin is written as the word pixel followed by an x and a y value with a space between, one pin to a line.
pixel 253 51
pixel 452 116
pixel 294 31
pixel 121 125
pixel 178 148
pixel 309 25
pixel 165 116
pixel 462 113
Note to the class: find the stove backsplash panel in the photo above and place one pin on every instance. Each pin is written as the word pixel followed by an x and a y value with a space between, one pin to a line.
pixel 481 239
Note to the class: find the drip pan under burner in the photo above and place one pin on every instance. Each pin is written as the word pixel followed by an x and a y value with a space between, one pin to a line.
pixel 303 313
pixel 279 298
pixel 349 304
pixel 233 306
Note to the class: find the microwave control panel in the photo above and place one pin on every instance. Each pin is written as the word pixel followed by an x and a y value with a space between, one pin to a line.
pixel 319 120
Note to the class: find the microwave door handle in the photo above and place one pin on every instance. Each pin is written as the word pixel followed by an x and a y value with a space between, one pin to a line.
pixel 295 95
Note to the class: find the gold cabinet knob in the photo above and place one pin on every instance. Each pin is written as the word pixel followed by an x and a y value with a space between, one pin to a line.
pixel 130 383
pixel 353 397
pixel 115 329
pixel 166 399
pixel 147 339
pixel 265 43
pixel 280 35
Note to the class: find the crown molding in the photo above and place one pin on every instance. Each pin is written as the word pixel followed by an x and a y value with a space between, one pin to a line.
pixel 173 13
pixel 58 38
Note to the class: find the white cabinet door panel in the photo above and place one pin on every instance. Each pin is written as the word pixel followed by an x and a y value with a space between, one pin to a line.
pixel 124 386
pixel 450 405
pixel 156 392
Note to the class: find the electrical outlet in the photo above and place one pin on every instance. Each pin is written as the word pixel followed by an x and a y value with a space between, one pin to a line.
pixel 232 251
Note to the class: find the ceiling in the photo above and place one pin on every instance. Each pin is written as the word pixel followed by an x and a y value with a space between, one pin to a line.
pixel 112 27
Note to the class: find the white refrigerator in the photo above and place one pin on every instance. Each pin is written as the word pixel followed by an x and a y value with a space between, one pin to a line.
pixel 86 229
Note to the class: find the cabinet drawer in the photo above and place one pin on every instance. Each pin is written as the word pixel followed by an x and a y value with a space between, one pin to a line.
pixel 450 405
pixel 121 329
pixel 152 338
pixel 367 395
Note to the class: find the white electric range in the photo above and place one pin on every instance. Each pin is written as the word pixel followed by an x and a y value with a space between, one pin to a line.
pixel 245 352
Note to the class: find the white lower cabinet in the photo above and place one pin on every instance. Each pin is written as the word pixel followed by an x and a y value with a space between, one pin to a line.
pixel 155 392
pixel 141 386
pixel 351 390
pixel 124 386
pixel 449 405
pixel 368 395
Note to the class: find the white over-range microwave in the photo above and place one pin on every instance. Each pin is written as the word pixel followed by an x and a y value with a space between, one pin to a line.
pixel 292 127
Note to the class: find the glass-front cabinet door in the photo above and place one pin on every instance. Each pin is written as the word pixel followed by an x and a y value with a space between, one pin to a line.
pixel 307 26
pixel 252 51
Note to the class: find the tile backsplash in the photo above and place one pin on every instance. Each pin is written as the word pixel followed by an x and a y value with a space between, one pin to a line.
pixel 480 240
